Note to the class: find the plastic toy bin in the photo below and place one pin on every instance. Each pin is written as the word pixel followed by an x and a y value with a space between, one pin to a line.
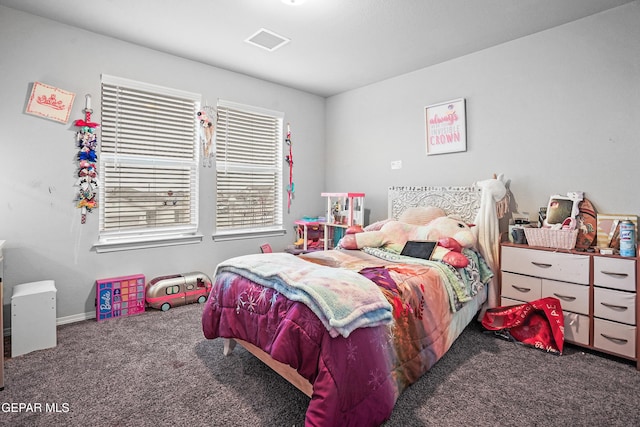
pixel 33 317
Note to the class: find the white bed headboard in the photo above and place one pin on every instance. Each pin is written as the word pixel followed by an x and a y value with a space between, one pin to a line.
pixel 461 201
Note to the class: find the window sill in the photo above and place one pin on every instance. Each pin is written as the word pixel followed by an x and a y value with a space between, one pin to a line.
pixel 236 235
pixel 115 246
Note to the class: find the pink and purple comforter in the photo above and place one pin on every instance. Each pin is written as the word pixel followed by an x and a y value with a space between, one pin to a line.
pixel 357 376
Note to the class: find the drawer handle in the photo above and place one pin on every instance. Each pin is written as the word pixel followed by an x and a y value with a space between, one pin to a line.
pixel 614 274
pixel 520 288
pixel 565 297
pixel 615 307
pixel 541 264
pixel 614 339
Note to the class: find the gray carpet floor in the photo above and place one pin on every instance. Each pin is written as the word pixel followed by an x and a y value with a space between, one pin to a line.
pixel 157 369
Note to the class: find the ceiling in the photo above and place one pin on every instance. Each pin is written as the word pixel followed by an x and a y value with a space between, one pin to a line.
pixel 335 45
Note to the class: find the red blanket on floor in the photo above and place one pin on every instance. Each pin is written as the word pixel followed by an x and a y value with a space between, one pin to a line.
pixel 538 323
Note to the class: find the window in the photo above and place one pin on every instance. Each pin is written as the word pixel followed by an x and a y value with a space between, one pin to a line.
pixel 248 171
pixel 148 166
pixel 172 290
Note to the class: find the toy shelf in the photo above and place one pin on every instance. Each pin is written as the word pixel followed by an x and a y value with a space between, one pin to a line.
pixel 310 233
pixel 343 211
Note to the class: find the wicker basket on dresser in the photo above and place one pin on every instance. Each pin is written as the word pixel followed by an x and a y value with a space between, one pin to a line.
pixel 598 293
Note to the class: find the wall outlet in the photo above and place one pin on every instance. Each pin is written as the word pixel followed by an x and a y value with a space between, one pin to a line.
pixel 396 164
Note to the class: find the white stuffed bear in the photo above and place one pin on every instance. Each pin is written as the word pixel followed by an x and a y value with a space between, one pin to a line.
pixel 451 233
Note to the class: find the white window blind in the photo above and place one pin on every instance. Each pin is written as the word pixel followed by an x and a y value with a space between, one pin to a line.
pixel 148 162
pixel 248 170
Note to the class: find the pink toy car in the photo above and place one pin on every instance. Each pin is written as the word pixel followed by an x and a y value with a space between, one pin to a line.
pixel 165 292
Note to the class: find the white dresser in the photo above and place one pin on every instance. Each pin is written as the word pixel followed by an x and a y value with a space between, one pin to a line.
pixel 597 293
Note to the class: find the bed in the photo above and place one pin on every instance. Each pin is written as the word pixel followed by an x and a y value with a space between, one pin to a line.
pixel 353 328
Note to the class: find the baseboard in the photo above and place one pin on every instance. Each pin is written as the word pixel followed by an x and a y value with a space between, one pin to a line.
pixel 63 320
pixel 75 318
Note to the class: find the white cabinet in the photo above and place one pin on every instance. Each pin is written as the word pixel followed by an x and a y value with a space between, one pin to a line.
pixel 343 211
pixel 33 317
pixel 598 293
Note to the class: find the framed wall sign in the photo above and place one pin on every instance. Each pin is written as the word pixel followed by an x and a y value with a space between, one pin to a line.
pixel 446 127
pixel 50 102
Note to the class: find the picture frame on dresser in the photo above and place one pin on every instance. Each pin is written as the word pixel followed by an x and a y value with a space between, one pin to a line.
pixel 608 229
pixel 598 293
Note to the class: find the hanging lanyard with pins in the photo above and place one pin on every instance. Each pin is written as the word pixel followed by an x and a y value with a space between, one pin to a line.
pixel 289 159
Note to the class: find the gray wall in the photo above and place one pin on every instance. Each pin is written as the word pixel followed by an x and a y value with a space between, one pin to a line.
pixel 557 111
pixel 38 218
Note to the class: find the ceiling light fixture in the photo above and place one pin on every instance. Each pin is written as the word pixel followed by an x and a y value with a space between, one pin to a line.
pixel 293 2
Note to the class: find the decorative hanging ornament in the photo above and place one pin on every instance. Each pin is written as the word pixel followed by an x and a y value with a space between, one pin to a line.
pixel 289 160
pixel 87 182
pixel 207 133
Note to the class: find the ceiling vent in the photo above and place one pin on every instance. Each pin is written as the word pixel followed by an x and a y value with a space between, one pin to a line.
pixel 267 40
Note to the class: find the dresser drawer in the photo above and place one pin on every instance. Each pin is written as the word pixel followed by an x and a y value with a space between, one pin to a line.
pixel 614 305
pixel 576 328
pixel 614 273
pixel 506 302
pixel 522 288
pixel 614 337
pixel 561 266
pixel 572 297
